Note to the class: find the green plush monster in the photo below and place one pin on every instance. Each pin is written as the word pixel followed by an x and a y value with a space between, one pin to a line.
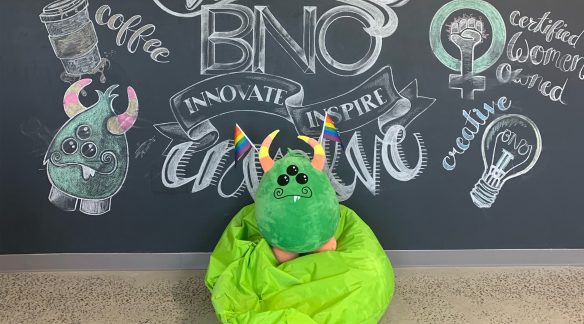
pixel 297 210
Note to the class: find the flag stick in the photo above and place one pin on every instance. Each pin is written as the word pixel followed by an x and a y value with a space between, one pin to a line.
pixel 323 126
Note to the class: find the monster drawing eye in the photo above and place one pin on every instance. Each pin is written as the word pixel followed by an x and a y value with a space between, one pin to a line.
pixel 292 170
pixel 88 149
pixel 283 180
pixel 302 178
pixel 69 146
pixel 83 132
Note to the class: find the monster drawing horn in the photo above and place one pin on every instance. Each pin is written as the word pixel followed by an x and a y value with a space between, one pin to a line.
pixel 87 160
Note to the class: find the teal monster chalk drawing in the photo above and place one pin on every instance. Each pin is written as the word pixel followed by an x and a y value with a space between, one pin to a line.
pixel 87 160
pixel 297 209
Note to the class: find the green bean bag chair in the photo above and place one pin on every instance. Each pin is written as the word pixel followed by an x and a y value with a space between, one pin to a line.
pixel 353 284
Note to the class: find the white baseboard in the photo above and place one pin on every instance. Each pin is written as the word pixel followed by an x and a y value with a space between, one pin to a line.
pixel 200 260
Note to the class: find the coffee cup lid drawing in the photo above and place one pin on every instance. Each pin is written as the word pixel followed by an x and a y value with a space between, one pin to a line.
pixel 62 9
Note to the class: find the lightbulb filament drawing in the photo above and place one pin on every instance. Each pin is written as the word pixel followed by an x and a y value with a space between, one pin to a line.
pixel 506 155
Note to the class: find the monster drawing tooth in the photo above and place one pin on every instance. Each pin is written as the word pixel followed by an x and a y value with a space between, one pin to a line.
pixel 87 172
pixel 87 160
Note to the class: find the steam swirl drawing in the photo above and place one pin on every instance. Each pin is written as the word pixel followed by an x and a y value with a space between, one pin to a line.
pixel 379 10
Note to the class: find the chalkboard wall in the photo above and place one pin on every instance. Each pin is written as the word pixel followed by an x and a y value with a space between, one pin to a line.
pixel 461 121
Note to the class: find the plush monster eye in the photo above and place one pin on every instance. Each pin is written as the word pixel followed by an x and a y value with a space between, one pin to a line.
pixel 88 149
pixel 292 170
pixel 69 146
pixel 283 180
pixel 83 132
pixel 302 178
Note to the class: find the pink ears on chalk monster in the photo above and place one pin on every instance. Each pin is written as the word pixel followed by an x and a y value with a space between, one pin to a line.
pixel 117 125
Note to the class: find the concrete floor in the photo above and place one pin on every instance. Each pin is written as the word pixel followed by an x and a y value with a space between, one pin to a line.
pixel 423 295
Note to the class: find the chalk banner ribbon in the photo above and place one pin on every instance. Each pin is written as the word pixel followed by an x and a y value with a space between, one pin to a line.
pixel 374 99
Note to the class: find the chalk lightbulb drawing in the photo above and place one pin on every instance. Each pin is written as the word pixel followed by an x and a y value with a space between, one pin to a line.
pixel 511 146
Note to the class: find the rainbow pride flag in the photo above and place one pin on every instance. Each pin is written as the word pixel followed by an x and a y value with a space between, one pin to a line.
pixel 329 130
pixel 241 141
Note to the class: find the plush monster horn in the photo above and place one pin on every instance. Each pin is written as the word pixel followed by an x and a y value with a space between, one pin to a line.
pixel 318 158
pixel 120 124
pixel 264 155
pixel 71 98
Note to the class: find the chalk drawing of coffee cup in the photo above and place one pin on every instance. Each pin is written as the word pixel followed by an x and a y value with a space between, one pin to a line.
pixel 73 38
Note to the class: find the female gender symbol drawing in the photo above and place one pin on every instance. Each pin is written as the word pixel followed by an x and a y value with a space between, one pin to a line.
pixel 466 33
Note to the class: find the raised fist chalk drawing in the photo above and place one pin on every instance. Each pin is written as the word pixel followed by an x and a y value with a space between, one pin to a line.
pixel 466 32
pixel 88 158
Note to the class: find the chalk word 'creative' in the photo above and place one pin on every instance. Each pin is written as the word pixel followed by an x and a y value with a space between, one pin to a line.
pixel 468 134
